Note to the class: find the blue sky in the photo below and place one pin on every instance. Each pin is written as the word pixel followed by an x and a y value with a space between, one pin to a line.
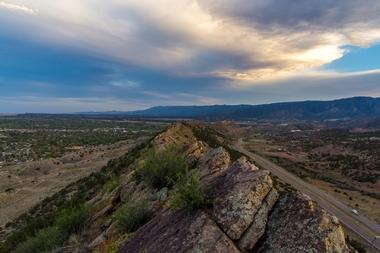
pixel 92 55
pixel 358 59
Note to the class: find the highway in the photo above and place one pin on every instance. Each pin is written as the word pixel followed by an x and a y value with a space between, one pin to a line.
pixel 359 224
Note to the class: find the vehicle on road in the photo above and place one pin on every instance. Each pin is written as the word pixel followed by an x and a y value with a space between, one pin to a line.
pixel 354 211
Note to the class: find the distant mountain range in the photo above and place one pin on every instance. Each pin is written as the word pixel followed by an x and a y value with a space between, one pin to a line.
pixel 355 108
pixel 348 108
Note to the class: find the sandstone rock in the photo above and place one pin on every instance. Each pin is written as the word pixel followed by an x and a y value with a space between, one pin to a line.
pixel 297 224
pixel 178 134
pixel 244 164
pixel 180 232
pixel 105 205
pixel 215 160
pixel 257 228
pixel 195 151
pixel 245 210
pixel 182 136
pixel 237 195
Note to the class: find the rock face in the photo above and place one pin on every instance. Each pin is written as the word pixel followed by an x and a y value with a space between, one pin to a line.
pixel 246 212
pixel 182 136
pixel 237 195
pixel 297 224
pixel 213 161
pixel 180 232
pixel 257 228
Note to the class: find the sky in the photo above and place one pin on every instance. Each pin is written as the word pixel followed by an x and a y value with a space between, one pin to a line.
pixel 95 55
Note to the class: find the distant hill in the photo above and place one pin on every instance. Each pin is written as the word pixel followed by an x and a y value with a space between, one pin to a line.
pixel 348 108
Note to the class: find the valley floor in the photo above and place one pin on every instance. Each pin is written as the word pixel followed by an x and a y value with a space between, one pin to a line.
pixel 24 185
pixel 344 167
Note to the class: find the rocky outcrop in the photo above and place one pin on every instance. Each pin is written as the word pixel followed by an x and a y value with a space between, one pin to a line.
pixel 257 228
pixel 297 224
pixel 237 192
pixel 237 195
pixel 182 136
pixel 213 161
pixel 180 232
pixel 246 212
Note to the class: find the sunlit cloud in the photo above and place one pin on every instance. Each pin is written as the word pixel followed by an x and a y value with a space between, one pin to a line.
pixel 17 7
pixel 252 40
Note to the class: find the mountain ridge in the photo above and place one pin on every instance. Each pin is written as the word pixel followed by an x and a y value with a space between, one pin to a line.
pixel 346 108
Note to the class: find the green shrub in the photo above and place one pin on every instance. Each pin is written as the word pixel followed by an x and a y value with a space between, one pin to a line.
pixel 160 168
pixel 132 215
pixel 206 134
pixel 356 245
pixel 69 221
pixel 111 184
pixel 72 220
pixel 188 193
pixel 46 239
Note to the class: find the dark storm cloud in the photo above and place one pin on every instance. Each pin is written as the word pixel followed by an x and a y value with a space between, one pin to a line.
pixel 297 14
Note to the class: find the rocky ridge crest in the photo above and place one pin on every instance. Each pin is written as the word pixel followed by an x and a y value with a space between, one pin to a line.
pixel 246 212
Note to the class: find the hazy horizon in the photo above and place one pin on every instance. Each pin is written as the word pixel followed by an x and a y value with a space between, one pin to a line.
pixel 69 56
pixel 190 105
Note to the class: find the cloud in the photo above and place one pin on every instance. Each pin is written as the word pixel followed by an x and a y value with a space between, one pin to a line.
pixel 179 98
pixel 17 104
pixel 244 39
pixel 125 84
pixel 314 86
pixel 16 7
pixel 62 105
pixel 155 94
pixel 152 52
pixel 331 85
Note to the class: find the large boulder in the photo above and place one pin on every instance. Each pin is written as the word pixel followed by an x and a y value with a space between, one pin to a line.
pixel 297 224
pixel 237 194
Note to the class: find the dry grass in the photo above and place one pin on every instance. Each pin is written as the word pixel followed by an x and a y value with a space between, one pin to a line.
pixel 370 207
pixel 23 186
pixel 285 149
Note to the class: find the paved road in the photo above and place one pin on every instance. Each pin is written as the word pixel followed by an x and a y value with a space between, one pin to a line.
pixel 361 225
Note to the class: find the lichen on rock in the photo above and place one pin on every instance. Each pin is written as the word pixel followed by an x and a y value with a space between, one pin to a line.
pixel 257 229
pixel 297 224
pixel 237 195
